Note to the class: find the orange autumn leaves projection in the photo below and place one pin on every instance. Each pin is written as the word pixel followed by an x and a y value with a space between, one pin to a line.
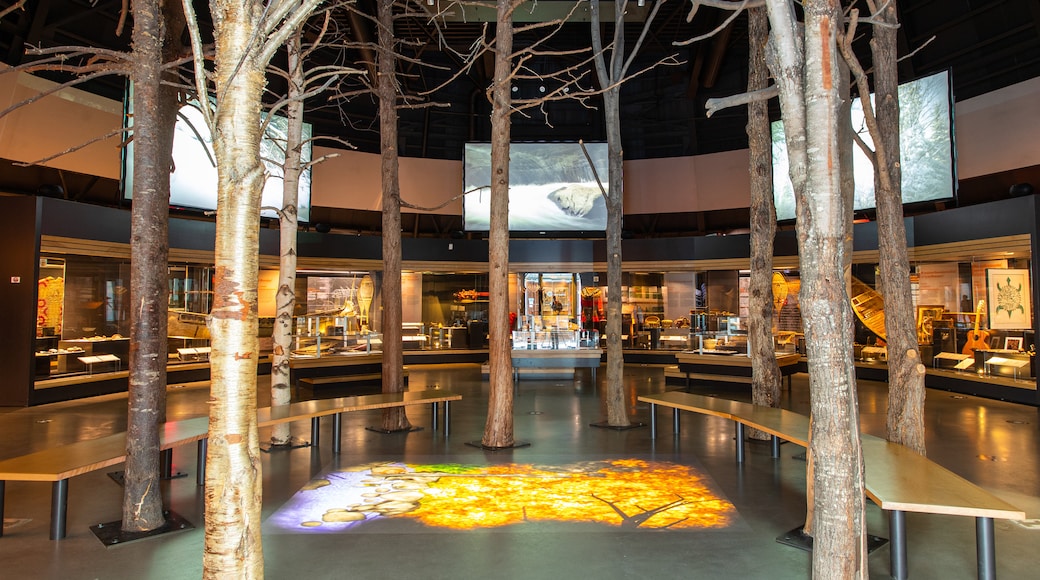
pixel 628 493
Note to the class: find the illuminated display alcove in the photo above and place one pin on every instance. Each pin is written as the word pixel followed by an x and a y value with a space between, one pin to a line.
pixel 614 493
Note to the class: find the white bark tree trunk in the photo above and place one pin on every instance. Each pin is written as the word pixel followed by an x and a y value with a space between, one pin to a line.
pixel 285 298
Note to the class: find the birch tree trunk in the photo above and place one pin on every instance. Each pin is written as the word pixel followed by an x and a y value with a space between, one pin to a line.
pixel 839 539
pixel 233 469
pixel 285 298
pixel 498 431
pixel 765 373
pixel 393 356
pixel 906 394
pixel 149 256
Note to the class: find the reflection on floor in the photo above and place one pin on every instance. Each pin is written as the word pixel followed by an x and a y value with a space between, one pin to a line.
pixel 993 443
pixel 623 493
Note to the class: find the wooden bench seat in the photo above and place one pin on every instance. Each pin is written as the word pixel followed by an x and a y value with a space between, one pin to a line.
pixel 318 408
pixel 897 479
pixel 58 464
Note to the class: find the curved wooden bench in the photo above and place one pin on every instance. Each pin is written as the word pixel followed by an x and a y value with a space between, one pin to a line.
pixel 59 464
pixel 897 479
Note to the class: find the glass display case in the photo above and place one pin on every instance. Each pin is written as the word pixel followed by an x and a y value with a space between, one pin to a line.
pixel 321 335
pixel 554 339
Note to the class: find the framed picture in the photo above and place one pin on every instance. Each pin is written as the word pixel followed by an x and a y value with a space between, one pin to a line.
pixel 1013 343
pixel 1008 297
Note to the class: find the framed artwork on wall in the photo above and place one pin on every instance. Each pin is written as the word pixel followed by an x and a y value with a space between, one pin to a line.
pixel 1008 297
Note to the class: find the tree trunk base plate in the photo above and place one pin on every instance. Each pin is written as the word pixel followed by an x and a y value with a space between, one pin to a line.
pixel 293 443
pixel 111 534
pixel 796 538
pixel 375 429
pixel 607 425
pixel 515 445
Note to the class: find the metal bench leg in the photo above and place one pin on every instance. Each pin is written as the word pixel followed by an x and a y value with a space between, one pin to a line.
pixel 435 411
pixel 740 442
pixel 675 422
pixel 653 420
pixel 897 543
pixel 986 551
pixel 337 430
pixel 59 508
pixel 447 417
pixel 315 430
pixel 2 485
pixel 775 446
pixel 166 463
pixel 200 462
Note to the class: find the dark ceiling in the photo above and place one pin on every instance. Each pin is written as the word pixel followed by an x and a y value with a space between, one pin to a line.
pixel 987 45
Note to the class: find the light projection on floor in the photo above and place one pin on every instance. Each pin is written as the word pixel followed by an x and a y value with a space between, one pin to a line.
pixel 617 493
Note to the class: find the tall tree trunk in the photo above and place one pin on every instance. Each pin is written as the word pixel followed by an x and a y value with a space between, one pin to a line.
pixel 617 411
pixel 905 423
pixel 233 468
pixel 149 256
pixel 498 431
pixel 765 373
pixel 393 355
pixel 285 298
pixel 839 549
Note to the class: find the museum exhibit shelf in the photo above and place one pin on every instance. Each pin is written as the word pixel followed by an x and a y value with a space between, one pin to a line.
pixel 727 366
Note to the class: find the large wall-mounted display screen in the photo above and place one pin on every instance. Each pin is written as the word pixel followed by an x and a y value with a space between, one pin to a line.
pixel 925 141
pixel 193 181
pixel 552 187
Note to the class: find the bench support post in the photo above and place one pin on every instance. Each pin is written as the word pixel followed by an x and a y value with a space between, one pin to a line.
pixel 435 411
pixel 653 420
pixel 447 417
pixel 675 422
pixel 315 430
pixel 897 545
pixel 166 463
pixel 337 430
pixel 985 550
pixel 2 485
pixel 775 446
pixel 59 508
pixel 200 462
pixel 740 441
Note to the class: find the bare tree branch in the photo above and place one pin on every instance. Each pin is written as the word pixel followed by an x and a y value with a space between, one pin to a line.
pixel 108 135
pixel 714 105
pixel 16 6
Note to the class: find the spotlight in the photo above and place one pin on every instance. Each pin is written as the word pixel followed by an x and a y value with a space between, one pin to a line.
pixel 430 2
pixel 641 3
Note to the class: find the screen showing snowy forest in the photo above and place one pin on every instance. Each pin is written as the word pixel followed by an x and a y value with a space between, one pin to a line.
pixel 193 181
pixel 925 141
pixel 552 187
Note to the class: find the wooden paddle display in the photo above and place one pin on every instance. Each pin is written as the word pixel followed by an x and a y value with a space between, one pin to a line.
pixel 977 339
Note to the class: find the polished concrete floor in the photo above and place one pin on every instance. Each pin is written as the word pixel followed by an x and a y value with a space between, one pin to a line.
pixel 992 443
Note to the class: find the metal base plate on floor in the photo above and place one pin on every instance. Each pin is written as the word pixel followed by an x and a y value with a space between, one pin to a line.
pixel 607 425
pixel 294 443
pixel 797 539
pixel 111 533
pixel 375 429
pixel 515 445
